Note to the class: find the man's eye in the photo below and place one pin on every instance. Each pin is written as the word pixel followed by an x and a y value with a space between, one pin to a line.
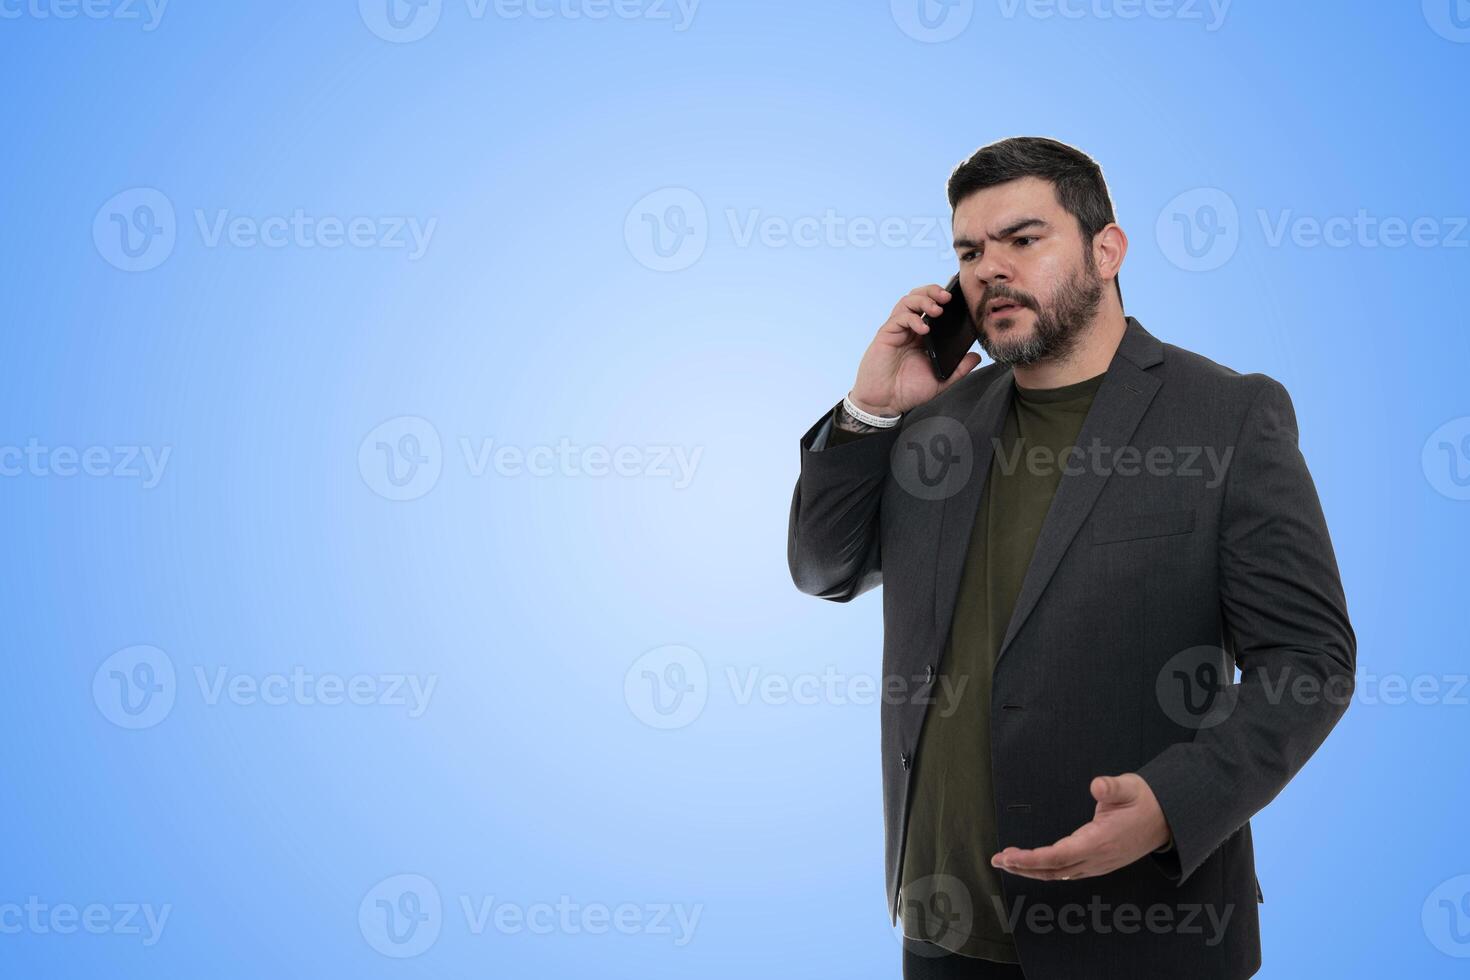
pixel 1024 240
pixel 966 256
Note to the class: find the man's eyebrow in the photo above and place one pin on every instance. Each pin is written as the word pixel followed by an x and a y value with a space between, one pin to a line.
pixel 1006 232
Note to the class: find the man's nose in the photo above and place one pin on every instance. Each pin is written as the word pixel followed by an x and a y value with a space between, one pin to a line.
pixel 992 272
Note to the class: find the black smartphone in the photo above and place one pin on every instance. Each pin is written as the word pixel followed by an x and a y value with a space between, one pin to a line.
pixel 951 333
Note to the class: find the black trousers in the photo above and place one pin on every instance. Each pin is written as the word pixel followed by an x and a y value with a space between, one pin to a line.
pixel 926 961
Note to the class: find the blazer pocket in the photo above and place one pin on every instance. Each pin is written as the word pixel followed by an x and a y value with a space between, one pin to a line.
pixel 1131 526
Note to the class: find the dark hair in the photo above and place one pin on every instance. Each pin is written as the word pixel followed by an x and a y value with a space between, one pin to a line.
pixel 1075 176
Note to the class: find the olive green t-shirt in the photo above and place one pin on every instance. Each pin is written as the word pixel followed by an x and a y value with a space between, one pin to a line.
pixel 950 895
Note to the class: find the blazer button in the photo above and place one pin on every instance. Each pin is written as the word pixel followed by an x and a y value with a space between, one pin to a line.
pixel 928 673
pixel 903 760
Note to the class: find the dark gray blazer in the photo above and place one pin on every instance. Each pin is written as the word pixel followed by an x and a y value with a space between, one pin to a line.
pixel 1189 541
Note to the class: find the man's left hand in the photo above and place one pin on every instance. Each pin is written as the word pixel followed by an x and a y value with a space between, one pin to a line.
pixel 1127 825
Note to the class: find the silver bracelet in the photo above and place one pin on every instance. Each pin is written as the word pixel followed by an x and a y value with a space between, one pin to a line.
pixel 868 418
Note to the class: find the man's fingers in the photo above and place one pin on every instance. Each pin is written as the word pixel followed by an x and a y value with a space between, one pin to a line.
pixel 934 291
pixel 903 326
pixel 1072 872
pixel 966 365
pixel 921 302
pixel 1082 844
pixel 1063 853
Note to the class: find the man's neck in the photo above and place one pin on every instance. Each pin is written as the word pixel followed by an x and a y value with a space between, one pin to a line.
pixel 1091 357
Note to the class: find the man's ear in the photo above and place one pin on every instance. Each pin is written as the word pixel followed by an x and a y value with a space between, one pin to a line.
pixel 1109 247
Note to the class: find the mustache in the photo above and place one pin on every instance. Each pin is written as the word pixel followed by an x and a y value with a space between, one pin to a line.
pixel 1002 292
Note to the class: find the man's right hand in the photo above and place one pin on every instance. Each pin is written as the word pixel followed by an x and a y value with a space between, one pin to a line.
pixel 895 375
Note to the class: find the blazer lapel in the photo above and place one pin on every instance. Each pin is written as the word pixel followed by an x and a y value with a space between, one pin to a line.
pixel 1121 400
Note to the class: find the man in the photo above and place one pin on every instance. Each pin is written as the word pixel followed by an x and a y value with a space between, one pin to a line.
pixel 1079 544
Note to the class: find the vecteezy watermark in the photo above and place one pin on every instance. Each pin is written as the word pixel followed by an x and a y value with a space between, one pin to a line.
pixel 1197 688
pixel 1102 918
pixel 403 458
pixel 669 229
pixel 669 686
pixel 834 687
pixel 1210 14
pixel 1446 458
pixel 40 918
pixel 934 459
pixel 936 910
pixel 935 21
pixel 1200 230
pixel 1446 917
pixel 143 463
pixel 403 915
pixel 137 230
pixel 1188 462
pixel 148 13
pixel 1363 230
pixel 137 687
pixel 569 917
pixel 305 688
pixel 1450 19
pixel 406 21
pixel 932 21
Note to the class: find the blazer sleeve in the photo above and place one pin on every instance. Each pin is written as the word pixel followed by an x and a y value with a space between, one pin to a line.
pixel 1287 623
pixel 833 535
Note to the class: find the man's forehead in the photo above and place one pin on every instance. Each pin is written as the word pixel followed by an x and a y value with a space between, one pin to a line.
pixel 994 208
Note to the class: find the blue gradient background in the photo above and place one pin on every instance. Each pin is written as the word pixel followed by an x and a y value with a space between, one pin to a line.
pixel 534 317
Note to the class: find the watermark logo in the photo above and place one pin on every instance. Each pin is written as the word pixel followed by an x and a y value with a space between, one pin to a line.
pixel 1363 230
pixel 402 458
pixel 667 230
pixel 41 918
pixel 932 21
pixel 401 21
pixel 1210 13
pixel 406 21
pixel 1199 230
pixel 932 459
pixel 1450 19
pixel 936 913
pixel 143 463
pixel 148 12
pixel 1446 917
pixel 298 229
pixel 401 915
pixel 670 686
pixel 306 688
pixel 570 917
pixel 135 687
pixel 136 230
pixel 1446 459
pixel 667 687
pixel 1186 462
pixel 1102 918
pixel 1196 689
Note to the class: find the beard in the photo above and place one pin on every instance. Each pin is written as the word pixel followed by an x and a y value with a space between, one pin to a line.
pixel 1059 325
